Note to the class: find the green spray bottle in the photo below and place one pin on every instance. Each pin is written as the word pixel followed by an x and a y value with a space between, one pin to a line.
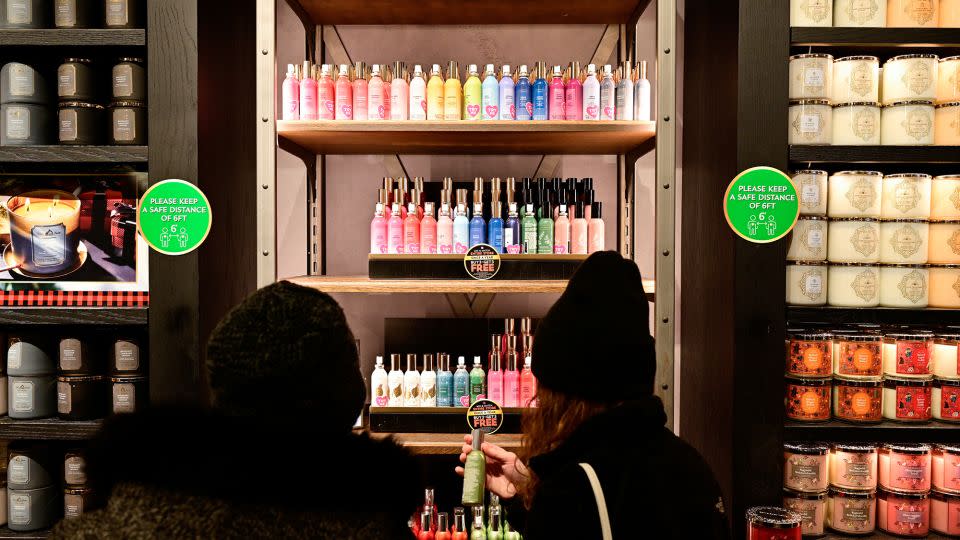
pixel 478 381
pixel 474 473
pixel 529 227
pixel 478 531
pixel 545 230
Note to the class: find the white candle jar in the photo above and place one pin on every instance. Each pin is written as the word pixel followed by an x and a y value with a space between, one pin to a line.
pixel 851 240
pixel 946 362
pixel 908 123
pixel 945 197
pixel 806 283
pixel 856 124
pixel 906 196
pixel 811 13
pixel 946 124
pixel 944 286
pixel 861 13
pixel 856 79
pixel 811 187
pixel 910 77
pixel 949 13
pixel 808 240
pixel 854 194
pixel 948 79
pixel 811 76
pixel 944 242
pixel 853 285
pixel 904 241
pixel 810 121
pixel 904 286
pixel 913 13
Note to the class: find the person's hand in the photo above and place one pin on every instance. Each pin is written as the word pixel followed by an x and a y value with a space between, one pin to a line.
pixel 505 472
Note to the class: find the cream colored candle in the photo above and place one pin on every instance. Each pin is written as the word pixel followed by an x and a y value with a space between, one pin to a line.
pixel 854 194
pixel 811 13
pixel 915 394
pixel 861 13
pixel 808 240
pixel 856 124
pixel 810 121
pixel 946 363
pixel 906 196
pixel 945 197
pixel 947 124
pixel 944 242
pixel 851 240
pixel 904 242
pixel 908 123
pixel 945 286
pixel 44 230
pixel 908 355
pixel 910 77
pixel 806 283
pixel 856 79
pixel 913 13
pixel 948 79
pixel 811 187
pixel 949 13
pixel 811 76
pixel 904 286
pixel 853 285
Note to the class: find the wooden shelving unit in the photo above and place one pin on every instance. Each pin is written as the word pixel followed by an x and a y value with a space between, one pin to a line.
pixel 875 37
pixel 74 316
pixel 875 154
pixel 465 137
pixel 444 443
pixel 47 429
pixel 73 154
pixel 365 285
pixel 73 37
pixel 836 431
pixel 32 535
pixel 839 316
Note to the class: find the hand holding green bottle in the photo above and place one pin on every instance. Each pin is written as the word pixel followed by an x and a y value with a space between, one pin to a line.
pixel 505 473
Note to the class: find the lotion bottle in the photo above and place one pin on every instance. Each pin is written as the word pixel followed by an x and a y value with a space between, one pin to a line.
pixel 578 232
pixel 344 95
pixel 557 95
pixel 399 93
pixel 522 96
pixel 529 227
pixel 641 98
pixel 379 385
pixel 428 383
pixel 573 94
pixel 608 95
pixel 528 385
pixel 418 94
pixel 291 94
pixel 308 94
pixel 475 475
pixel 395 231
pixel 561 232
pixel 541 106
pixel 411 230
pixel 378 232
pixel 478 381
pixel 461 230
pixel 325 93
pixel 478 227
pixel 435 94
pixel 428 230
pixel 461 384
pixel 591 94
pixel 395 381
pixel 444 382
pixel 376 108
pixel 360 91
pixel 507 109
pixel 511 231
pixel 625 92
pixel 453 94
pixel 495 379
pixel 545 230
pixel 511 380
pixel 444 230
pixel 411 383
pixel 490 95
pixel 596 235
pixel 495 228
pixel 472 94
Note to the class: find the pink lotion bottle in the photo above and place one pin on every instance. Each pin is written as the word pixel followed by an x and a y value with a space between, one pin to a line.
pixel 573 98
pixel 308 94
pixel 596 235
pixel 445 230
pixel 291 95
pixel 378 232
pixel 418 94
pixel 511 381
pixel 399 93
pixel 428 230
pixel 360 92
pixel 375 102
pixel 395 231
pixel 387 77
pixel 528 385
pixel 344 95
pixel 578 232
pixel 411 230
pixel 495 379
pixel 561 232
pixel 557 94
pixel 325 95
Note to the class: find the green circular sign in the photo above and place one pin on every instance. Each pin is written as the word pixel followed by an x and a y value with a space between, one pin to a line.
pixel 761 205
pixel 174 217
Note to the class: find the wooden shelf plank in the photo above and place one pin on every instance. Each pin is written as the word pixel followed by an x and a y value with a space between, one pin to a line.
pixel 35 535
pixel 875 154
pixel 445 443
pixel 836 315
pixel 73 316
pixel 875 37
pixel 73 154
pixel 70 37
pixel 836 431
pixel 466 137
pixel 363 284
pixel 50 429
pixel 458 12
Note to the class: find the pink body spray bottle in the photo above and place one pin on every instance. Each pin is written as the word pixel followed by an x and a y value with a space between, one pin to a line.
pixel 378 232
pixel 344 92
pixel 291 95
pixel 360 93
pixel 395 231
pixel 445 230
pixel 428 230
pixel 557 95
pixel 308 94
pixel 573 98
pixel 325 95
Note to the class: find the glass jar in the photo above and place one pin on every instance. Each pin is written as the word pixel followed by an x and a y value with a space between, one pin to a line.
pixel 853 240
pixel 853 466
pixel 22 14
pixel 857 355
pixel 811 76
pixel 81 397
pixel 907 123
pixel 906 196
pixel 130 394
pixel 910 77
pixel 130 80
pixel 904 241
pixel 904 286
pixel 810 121
pixel 950 15
pixel 908 355
pixel 76 501
pixel 853 285
pixel 945 197
pixel 945 513
pixel 805 467
pixel 772 523
pixel 858 401
pixel 812 507
pixel 24 124
pixel 947 124
pixel 808 240
pixel 948 78
pixel 905 467
pixel 123 14
pixel 76 80
pixel 808 354
pixel 806 283
pixel 944 286
pixel 811 13
pixel 33 396
pixel 945 467
pixel 34 509
pixel 851 511
pixel 860 13
pixel 913 13
pixel 128 123
pixel 811 188
pixel 946 400
pixel 30 467
pixel 903 514
pixel 807 400
pixel 907 400
pixel 80 123
pixel 946 362
pixel 75 13
pixel 856 124
pixel 856 79
pixel 20 83
pixel 125 359
pixel 944 242
pixel 74 358
pixel 855 194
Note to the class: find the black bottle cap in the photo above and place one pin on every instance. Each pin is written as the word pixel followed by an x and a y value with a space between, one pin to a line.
pixel 588 184
pixel 562 197
pixel 546 211
pixel 526 183
pixel 588 196
pixel 555 183
pixel 595 210
pixel 579 212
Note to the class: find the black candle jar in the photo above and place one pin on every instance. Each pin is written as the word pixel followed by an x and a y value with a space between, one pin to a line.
pixel 130 394
pixel 81 397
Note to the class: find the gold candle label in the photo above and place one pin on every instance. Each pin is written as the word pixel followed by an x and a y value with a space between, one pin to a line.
pixel 19 11
pixel 906 241
pixel 864 240
pixel 917 124
pixel 913 286
pixel 812 237
pixel 812 76
pixel 918 76
pixel 22 396
pixel 954 242
pixel 117 12
pixel 124 400
pixel 817 10
pixel 66 13
pixel 64 398
pixel 71 355
pixel 127 356
pixel 808 125
pixel 811 284
pixel 865 123
pixel 862 194
pixel 67 80
pixel 920 11
pixel 956 286
pixel 122 81
pixel 72 505
pixel 861 79
pixel 49 245
pixel 955 198
pixel 865 285
pixel 124 124
pixel 68 124
pixel 906 195
pixel 21 80
pixel 862 11
pixel 18 123
pixel 18 471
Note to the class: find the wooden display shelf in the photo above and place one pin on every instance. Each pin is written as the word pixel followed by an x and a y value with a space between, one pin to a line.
pixel 836 431
pixel 382 12
pixel 363 284
pixel 837 315
pixel 875 37
pixel 880 535
pixel 73 316
pixel 48 429
pixel 432 420
pixel 875 154
pixel 467 137
pixel 73 154
pixel 37 535
pixel 445 443
pixel 441 266
pixel 73 37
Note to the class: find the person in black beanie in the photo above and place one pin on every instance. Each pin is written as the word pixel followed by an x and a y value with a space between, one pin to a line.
pixel 597 461
pixel 275 457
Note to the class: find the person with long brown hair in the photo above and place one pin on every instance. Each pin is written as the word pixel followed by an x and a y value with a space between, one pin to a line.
pixel 596 460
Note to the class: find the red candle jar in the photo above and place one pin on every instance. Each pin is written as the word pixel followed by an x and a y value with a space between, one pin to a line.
pixel 772 523
pixel 903 514
pixel 857 355
pixel 811 507
pixel 905 467
pixel 908 355
pixel 809 354
pixel 805 467
pixel 808 400
pixel 851 511
pixel 945 513
pixel 945 400
pixel 858 400
pixel 946 468
pixel 907 400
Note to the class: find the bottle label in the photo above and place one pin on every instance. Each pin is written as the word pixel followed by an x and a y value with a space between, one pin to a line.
pixel 64 398
pixel 913 403
pixel 124 124
pixel 126 356
pixel 18 471
pixel 74 472
pixel 72 505
pixel 67 80
pixel 66 14
pixel 124 398
pixel 21 80
pixel 123 85
pixel 68 125
pixel 23 396
pixel 49 245
pixel 559 249
pixel 18 123
pixel 117 12
pixel 19 11
pixel 20 509
pixel 913 357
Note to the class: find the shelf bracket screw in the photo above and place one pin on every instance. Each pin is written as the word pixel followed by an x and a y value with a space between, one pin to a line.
pixel 666 320
pixel 666 51
pixel 666 186
pixel 664 386
pixel 265 119
pixel 666 118
pixel 266 253
pixel 264 51
pixel 666 253
pixel 265 186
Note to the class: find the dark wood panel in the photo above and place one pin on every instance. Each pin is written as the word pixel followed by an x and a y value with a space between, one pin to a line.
pixel 81 316
pixel 73 154
pixel 51 429
pixel 875 154
pixel 878 37
pixel 73 37
pixel 835 315
pixel 834 431
pixel 7 533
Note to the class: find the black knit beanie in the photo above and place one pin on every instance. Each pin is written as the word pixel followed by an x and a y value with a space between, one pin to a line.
pixel 287 352
pixel 595 341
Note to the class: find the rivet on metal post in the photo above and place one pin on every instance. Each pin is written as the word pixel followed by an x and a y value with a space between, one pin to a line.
pixel 666 186
pixel 264 51
pixel 265 186
pixel 665 387
pixel 265 119
pixel 266 253
pixel 666 253
pixel 666 118
pixel 666 320
pixel 666 51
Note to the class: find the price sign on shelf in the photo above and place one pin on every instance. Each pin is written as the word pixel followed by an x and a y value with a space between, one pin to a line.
pixel 761 205
pixel 174 217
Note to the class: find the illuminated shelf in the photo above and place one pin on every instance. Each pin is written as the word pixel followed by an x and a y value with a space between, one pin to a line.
pixel 836 431
pixel 73 37
pixel 444 443
pixel 73 316
pixel 363 284
pixel 73 154
pixel 48 429
pixel 875 37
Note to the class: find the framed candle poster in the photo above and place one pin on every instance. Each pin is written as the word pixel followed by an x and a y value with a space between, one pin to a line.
pixel 71 240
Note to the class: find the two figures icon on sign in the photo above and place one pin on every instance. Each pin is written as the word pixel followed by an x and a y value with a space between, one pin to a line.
pixel 754 224
pixel 178 235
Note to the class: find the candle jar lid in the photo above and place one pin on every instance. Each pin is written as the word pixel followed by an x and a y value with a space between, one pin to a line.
pixel 871 265
pixel 904 220
pixel 804 335
pixel 856 448
pixel 807 449
pixel 854 219
pixel 945 339
pixel 947 104
pixel 858 173
pixel 924 102
pixel 947 177
pixel 945 222
pixel 857 58
pixel 853 493
pixel 128 103
pixel 859 337
pixel 809 102
pixel 857 104
pixel 949 58
pixel 938 383
pixel 800 381
pixel 810 171
pixel 814 218
pixel 131 59
pixel 909 175
pixel 78 491
pixel 885 492
pixel 804 495
pixel 893 382
pixel 773 517
pixel 806 263
pixel 811 55
pixel 80 378
pixel 130 379
pixel 863 383
pixel 77 61
pixel 944 496
pixel 908 336
pixel 948 448
pixel 907 448
pixel 80 105
pixel 911 56
pixel 905 265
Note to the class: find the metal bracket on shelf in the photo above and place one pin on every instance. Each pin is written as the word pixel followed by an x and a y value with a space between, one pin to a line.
pixel 470 306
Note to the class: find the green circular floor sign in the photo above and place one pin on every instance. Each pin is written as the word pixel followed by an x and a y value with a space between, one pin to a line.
pixel 174 217
pixel 761 205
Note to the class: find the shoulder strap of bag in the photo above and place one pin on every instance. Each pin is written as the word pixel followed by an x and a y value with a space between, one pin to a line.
pixel 601 501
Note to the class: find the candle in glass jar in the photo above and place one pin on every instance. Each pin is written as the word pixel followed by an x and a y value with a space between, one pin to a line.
pixel 947 124
pixel 44 227
pixel 945 513
pixel 946 404
pixel 808 400
pixel 906 400
pixel 860 13
pixel 906 196
pixel 945 468
pixel 908 355
pixel 944 286
pixel 811 76
pixel 904 285
pixel 805 467
pixel 811 187
pixel 853 466
pixel 854 194
pixel 856 124
pixel 950 18
pixel 913 13
pixel 811 507
pixel 853 285
pixel 944 242
pixel 811 13
pixel 905 467
pixel 808 240
pixel 851 240
pixel 851 511
pixel 904 241
pixel 856 79
pixel 772 523
pixel 946 362
pixel 910 77
pixel 907 123
pixel 808 354
pixel 945 197
pixel 903 514
pixel 857 355
pixel 810 121
pixel 806 283
pixel 858 401
pixel 948 78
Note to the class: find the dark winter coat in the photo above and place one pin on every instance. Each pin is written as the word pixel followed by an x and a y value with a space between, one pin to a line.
pixel 190 474
pixel 656 486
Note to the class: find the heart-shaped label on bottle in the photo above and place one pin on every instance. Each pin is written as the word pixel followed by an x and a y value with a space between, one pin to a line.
pixel 400 248
pixel 413 248
pixel 559 249
pixel 381 112
pixel 592 111
pixel 514 249
pixel 459 248
pixel 347 110
pixel 423 105
pixel 446 249
pixel 382 401
pixel 529 107
pixel 492 111
pixel 383 248
pixel 465 401
pixel 473 110
pixel 432 250
pixel 513 111
pixel 608 113
pixel 328 105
